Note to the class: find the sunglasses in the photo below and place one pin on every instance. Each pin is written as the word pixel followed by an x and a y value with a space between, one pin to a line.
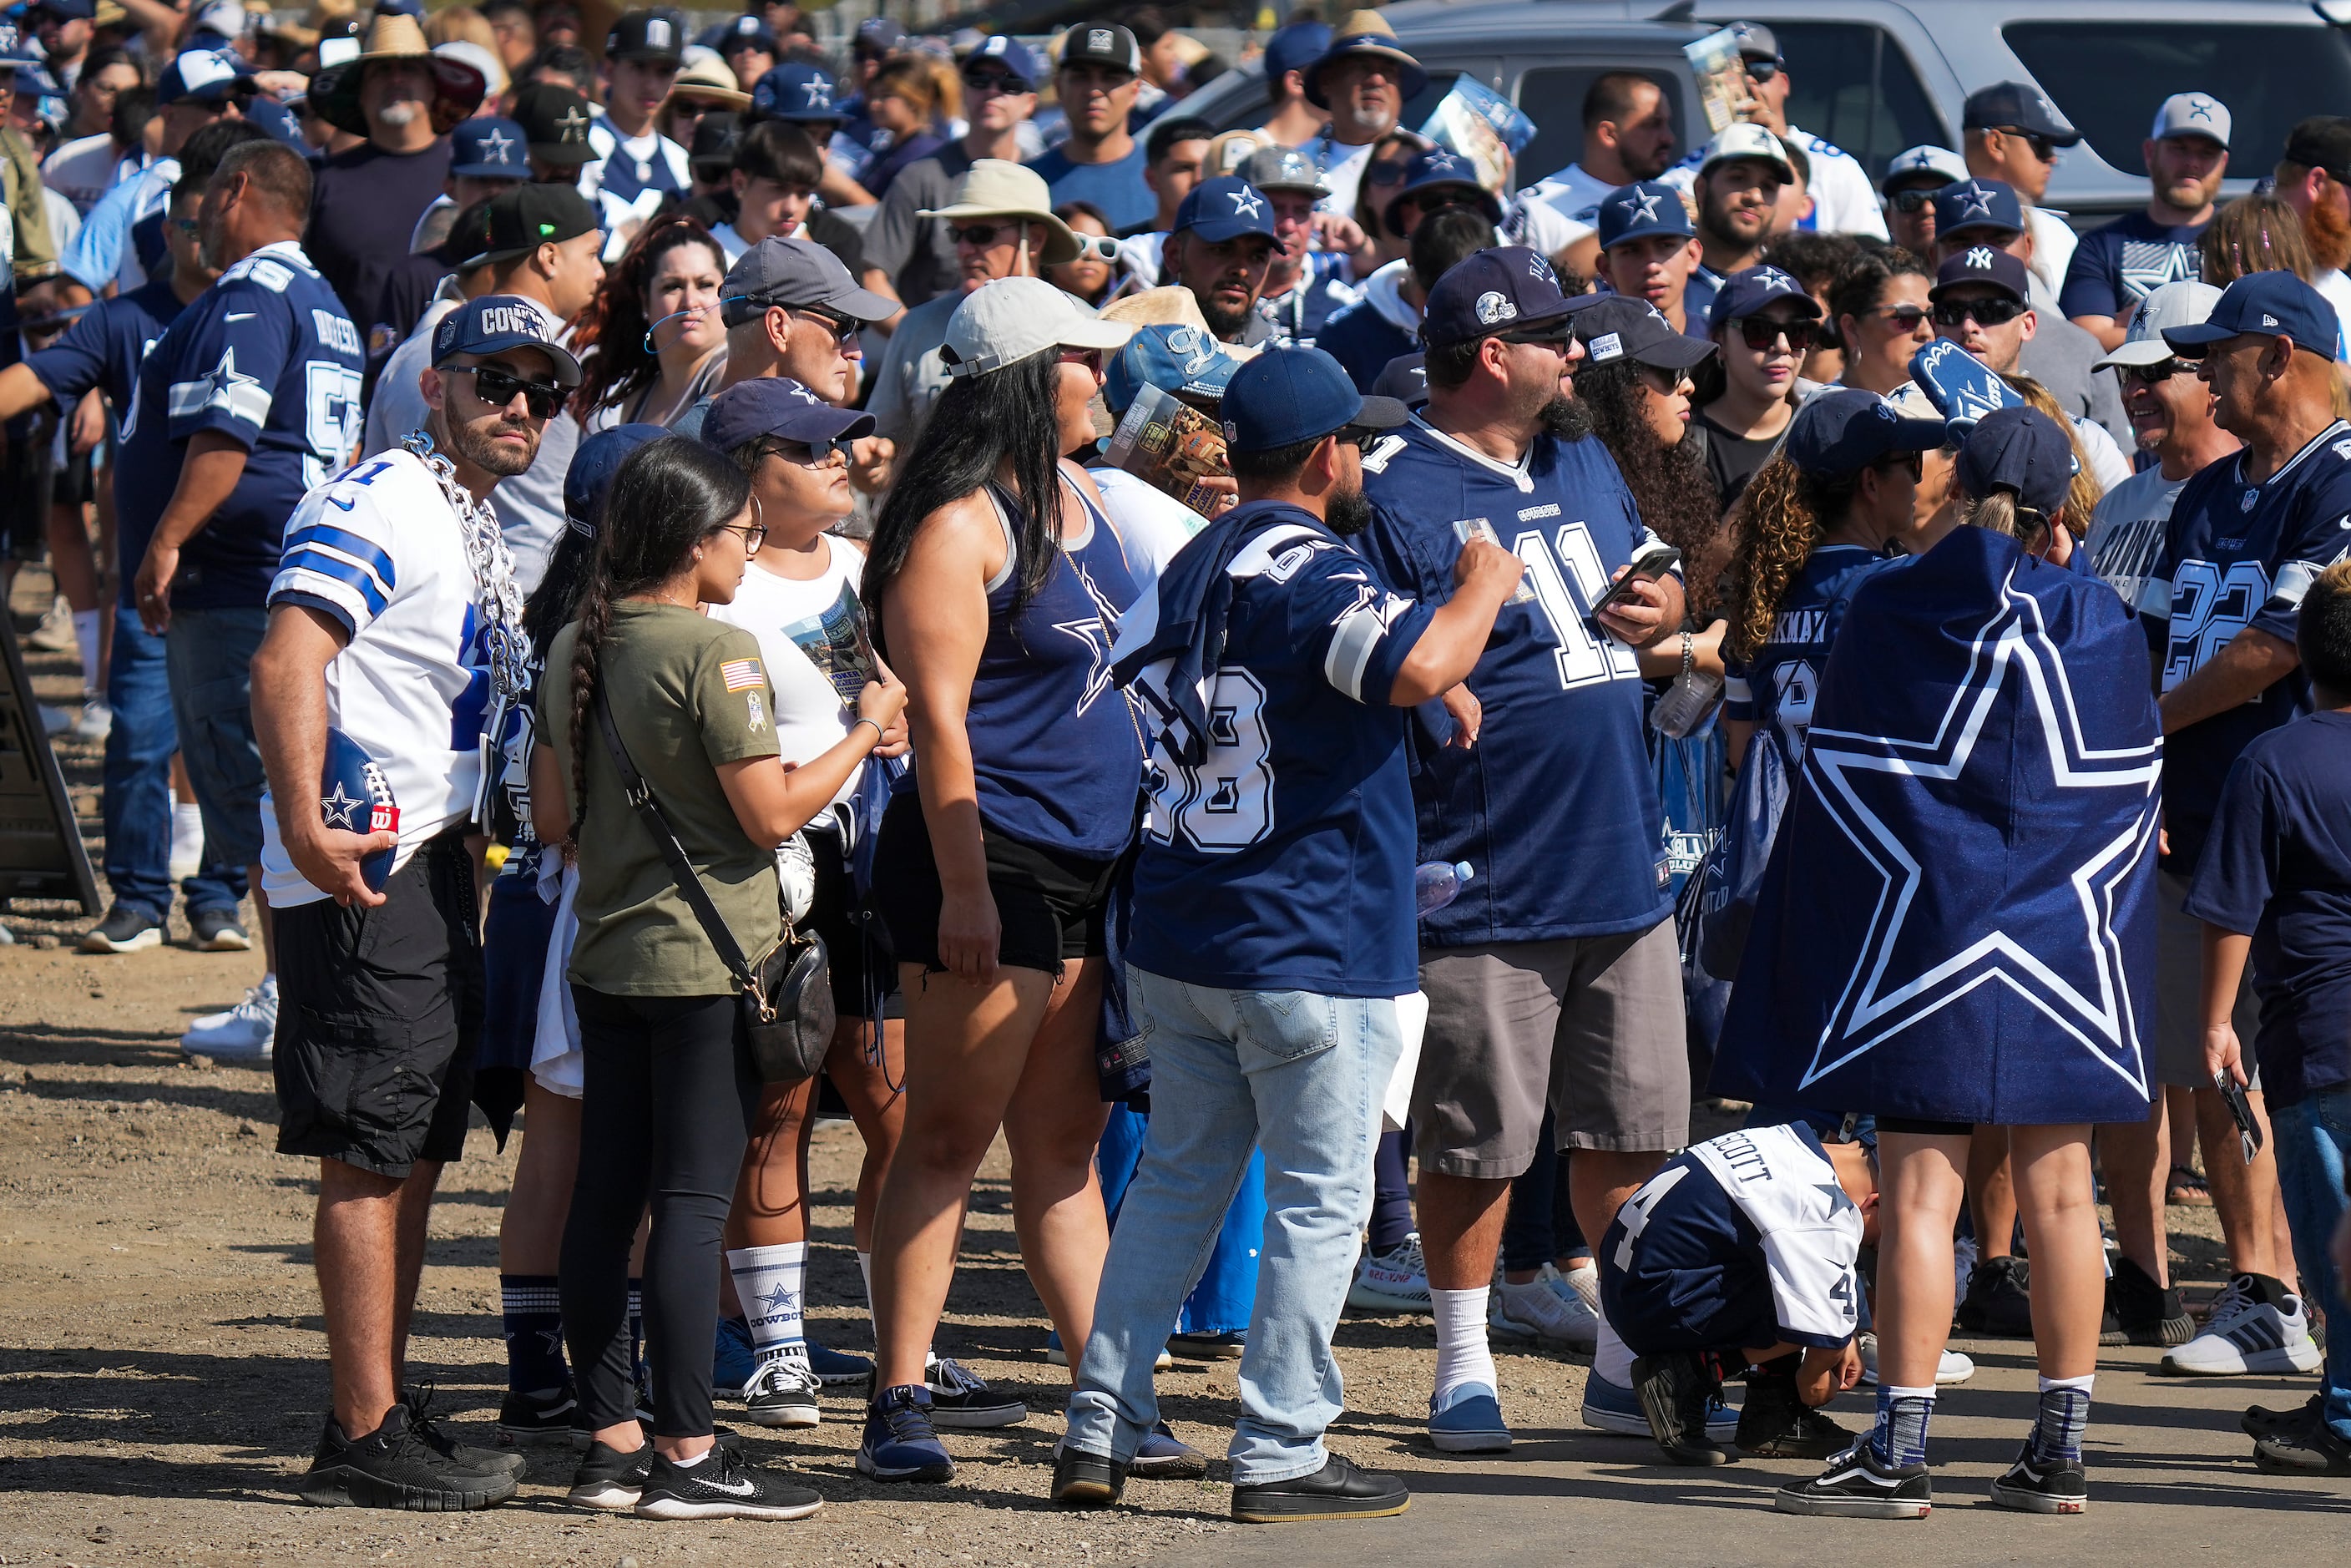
pixel 994 81
pixel 1763 70
pixel 1662 379
pixel 1915 462
pixel 1760 333
pixel 2151 375
pixel 1987 312
pixel 1089 358
pixel 1362 439
pixel 1901 317
pixel 2043 148
pixel 1911 201
pixel 979 236
pixel 841 330
pixel 498 388
pixel 832 453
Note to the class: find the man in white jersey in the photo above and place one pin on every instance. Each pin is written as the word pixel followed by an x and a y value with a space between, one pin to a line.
pixel 1628 137
pixel 393 593
pixel 1844 199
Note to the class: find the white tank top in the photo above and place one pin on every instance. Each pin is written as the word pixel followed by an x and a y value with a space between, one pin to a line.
pixel 817 648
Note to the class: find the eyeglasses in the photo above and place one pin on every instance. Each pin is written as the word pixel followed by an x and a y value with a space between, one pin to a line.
pixel 1761 332
pixel 754 535
pixel 979 236
pixel 1089 358
pixel 1987 312
pixel 1911 201
pixel 2151 375
pixel 994 81
pixel 1763 70
pixel 842 330
pixel 498 388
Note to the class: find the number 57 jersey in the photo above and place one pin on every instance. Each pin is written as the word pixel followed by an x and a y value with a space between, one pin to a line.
pixel 1556 806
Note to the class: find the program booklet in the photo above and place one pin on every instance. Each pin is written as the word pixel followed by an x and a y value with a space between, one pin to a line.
pixel 1721 78
pixel 1482 126
pixel 1172 447
pixel 839 643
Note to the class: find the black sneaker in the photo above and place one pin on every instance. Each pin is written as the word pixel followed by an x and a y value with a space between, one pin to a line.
pixel 394 1466
pixel 961 1398
pixel 1999 1301
pixel 465 1456
pixel 2260 1421
pixel 217 931
pixel 1855 1486
pixel 1226 1346
pixel 1338 1491
pixel 725 1485
pixel 609 1480
pixel 2312 1450
pixel 2042 1486
pixel 1086 1480
pixel 547 1418
pixel 1675 1392
pixel 1774 1422
pixel 126 929
pixel 2140 1312
pixel 783 1392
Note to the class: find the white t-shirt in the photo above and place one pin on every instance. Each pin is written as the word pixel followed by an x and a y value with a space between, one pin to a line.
pixel 1153 524
pixel 2108 466
pixel 812 636
pixel 2126 531
pixel 2337 289
pixel 1556 211
pixel 1343 172
pixel 2053 246
pixel 379 547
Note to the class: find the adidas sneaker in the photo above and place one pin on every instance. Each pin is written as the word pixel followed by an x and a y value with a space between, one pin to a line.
pixel 2256 1325
pixel 1395 1281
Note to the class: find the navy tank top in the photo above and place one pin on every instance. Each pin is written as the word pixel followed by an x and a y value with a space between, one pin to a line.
pixel 1057 755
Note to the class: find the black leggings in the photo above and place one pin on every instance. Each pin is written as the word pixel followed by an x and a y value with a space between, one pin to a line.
pixel 669 1093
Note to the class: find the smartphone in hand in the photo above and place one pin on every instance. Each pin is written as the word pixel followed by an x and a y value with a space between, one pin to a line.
pixel 1650 564
pixel 2240 1110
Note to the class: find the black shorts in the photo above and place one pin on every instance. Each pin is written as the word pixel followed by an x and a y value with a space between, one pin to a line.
pixel 378 1012
pixel 854 943
pixel 25 479
pixel 73 486
pixel 1051 903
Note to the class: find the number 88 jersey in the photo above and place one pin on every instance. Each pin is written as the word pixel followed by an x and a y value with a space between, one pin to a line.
pixel 1556 806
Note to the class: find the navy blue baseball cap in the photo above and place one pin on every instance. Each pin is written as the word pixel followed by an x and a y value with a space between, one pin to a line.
pixel 783 408
pixel 1978 204
pixel 1506 289
pixel 1620 327
pixel 1746 291
pixel 1017 58
pixel 1845 429
pixel 1226 207
pixel 749 31
pixel 1295 48
pixel 795 90
pixel 489 149
pixel 1287 395
pixel 2273 304
pixel 1648 207
pixel 66 10
pixel 1984 264
pixel 2018 449
pixel 497 322
pixel 879 35
pixel 1440 169
pixel 600 458
pixel 2017 106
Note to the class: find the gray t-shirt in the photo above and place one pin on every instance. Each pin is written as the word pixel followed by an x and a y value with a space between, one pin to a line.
pixel 915 252
pixel 2126 532
pixel 2060 357
pixel 912 375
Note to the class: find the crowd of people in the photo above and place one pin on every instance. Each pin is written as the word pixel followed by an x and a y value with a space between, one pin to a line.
pixel 619 549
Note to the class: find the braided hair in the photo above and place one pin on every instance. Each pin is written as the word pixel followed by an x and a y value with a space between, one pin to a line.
pixel 667 498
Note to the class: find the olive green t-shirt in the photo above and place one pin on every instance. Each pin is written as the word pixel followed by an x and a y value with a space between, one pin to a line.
pixel 688 694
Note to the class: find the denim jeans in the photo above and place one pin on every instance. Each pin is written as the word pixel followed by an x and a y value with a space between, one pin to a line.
pixel 210 655
pixel 2314 1146
pixel 137 802
pixel 1302 1075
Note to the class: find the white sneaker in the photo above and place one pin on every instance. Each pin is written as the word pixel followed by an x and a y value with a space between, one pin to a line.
pixel 1964 1255
pixel 97 721
pixel 1500 1327
pixel 55 634
pixel 1395 1281
pixel 1582 1284
pixel 1951 1367
pixel 243 1033
pixel 2257 1325
pixel 1563 1322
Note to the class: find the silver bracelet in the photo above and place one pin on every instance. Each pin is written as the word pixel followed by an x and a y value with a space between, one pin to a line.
pixel 1688 658
pixel 880 735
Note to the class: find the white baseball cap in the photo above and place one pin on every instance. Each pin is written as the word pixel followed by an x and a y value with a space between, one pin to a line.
pixel 1745 140
pixel 1924 159
pixel 1007 320
pixel 2172 306
pixel 2192 114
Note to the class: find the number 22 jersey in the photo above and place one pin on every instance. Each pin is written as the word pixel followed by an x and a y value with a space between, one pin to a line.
pixel 1556 806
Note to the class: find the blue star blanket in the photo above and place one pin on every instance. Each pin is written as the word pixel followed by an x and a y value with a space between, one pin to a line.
pixel 1957 919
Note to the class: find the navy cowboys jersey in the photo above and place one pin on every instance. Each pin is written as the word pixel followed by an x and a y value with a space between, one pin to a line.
pixel 1556 806
pixel 1776 686
pixel 266 356
pixel 2238 555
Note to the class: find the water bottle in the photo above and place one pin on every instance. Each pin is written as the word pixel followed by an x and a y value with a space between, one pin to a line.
pixel 1435 884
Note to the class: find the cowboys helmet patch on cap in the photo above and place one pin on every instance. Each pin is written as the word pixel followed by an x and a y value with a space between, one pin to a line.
pixel 1495 306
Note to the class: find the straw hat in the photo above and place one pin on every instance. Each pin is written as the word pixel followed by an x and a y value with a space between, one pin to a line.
pixel 457 87
pixel 711 82
pixel 1366 33
pixel 998 189
pixel 1167 306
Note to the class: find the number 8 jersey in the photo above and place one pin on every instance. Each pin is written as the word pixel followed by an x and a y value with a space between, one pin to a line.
pixel 1556 806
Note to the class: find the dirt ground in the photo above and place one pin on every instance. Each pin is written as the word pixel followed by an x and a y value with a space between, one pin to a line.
pixel 161 1359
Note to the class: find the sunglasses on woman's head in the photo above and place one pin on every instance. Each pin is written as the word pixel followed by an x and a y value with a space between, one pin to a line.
pixel 498 388
pixel 1761 332
pixel 1987 312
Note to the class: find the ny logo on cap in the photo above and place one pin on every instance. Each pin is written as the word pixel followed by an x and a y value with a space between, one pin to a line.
pixel 1495 306
pixel 1245 203
pixel 1642 204
pixel 1979 258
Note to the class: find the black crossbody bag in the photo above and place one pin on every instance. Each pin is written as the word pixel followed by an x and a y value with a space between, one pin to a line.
pixel 787 1001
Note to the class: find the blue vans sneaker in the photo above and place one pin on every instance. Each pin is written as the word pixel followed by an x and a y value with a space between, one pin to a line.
pixel 733 1362
pixel 1614 1408
pixel 1470 1422
pixel 832 1367
pixel 899 1444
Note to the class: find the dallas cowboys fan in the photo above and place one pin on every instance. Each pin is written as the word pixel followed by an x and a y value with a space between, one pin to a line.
pixel 394 592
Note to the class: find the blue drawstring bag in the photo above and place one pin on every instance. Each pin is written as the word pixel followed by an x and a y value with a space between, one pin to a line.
pixel 1732 876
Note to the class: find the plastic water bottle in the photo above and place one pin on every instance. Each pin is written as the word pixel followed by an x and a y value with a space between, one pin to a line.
pixel 1435 884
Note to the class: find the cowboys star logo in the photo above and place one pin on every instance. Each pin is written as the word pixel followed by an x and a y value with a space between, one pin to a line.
pixel 339 809
pixel 1246 203
pixel 495 146
pixel 1643 206
pixel 1978 204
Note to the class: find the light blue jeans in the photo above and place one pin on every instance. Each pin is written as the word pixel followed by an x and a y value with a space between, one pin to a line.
pixel 1302 1075
pixel 2314 1147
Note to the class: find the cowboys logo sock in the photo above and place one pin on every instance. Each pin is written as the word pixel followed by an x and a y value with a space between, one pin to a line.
pixel 770 1280
pixel 534 1330
pixel 1899 1437
pixel 2064 1417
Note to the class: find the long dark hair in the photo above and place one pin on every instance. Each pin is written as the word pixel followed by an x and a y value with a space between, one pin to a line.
pixel 980 422
pixel 614 326
pixel 1671 489
pixel 555 600
pixel 668 497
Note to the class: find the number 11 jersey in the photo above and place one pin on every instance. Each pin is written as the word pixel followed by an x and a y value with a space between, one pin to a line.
pixel 1556 806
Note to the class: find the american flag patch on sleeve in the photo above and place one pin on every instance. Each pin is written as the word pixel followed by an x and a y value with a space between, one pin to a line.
pixel 742 674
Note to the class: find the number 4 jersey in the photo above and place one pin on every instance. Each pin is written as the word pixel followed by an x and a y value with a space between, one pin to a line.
pixel 2238 554
pixel 1556 806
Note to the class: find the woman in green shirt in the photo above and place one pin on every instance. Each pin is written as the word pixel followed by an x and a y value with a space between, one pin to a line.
pixel 670 1089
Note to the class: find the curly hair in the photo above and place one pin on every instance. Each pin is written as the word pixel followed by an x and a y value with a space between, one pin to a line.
pixel 1777 522
pixel 610 338
pixel 1671 490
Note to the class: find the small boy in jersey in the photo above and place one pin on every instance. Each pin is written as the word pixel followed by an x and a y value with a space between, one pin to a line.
pixel 1740 1252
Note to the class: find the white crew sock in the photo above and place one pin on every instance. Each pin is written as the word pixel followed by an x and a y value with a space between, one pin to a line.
pixel 188 831
pixel 86 636
pixel 770 1281
pixel 1612 1359
pixel 865 1272
pixel 689 1464
pixel 1462 1354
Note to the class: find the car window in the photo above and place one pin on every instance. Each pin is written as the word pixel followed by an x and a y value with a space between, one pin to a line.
pixel 2108 77
pixel 1851 84
pixel 1553 99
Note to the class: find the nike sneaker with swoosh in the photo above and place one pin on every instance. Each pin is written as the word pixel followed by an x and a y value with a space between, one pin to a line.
pixel 724 1485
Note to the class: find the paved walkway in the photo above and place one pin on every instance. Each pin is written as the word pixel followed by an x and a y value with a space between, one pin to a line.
pixel 2172 1480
